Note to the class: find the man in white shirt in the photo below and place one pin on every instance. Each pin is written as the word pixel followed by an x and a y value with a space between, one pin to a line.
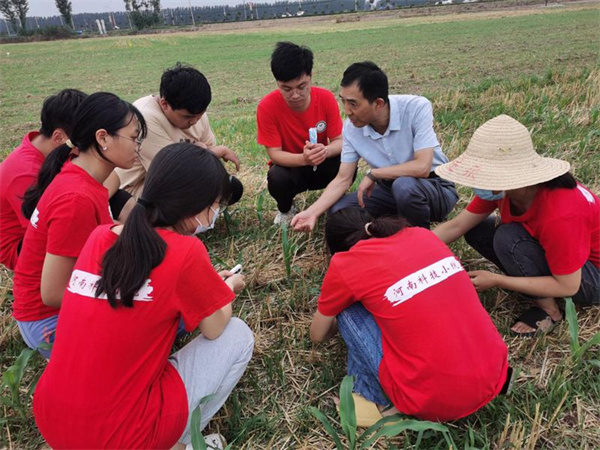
pixel 394 135
pixel 177 115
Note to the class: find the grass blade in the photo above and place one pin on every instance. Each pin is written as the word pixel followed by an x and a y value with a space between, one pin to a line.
pixel 413 425
pixel 197 438
pixel 573 325
pixel 595 340
pixel 328 427
pixel 347 410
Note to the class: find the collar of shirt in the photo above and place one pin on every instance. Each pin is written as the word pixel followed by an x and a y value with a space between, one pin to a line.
pixel 394 124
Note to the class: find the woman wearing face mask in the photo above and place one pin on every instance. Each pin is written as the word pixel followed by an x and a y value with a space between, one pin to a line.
pixel 65 206
pixel 111 382
pixel 546 240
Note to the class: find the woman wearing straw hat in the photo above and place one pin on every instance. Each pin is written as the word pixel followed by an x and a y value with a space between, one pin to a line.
pixel 547 238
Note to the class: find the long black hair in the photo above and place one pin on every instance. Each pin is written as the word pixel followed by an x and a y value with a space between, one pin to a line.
pixel 564 181
pixel 101 110
pixel 346 227
pixel 182 181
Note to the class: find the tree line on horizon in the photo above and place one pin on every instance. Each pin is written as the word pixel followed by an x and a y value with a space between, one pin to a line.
pixel 141 14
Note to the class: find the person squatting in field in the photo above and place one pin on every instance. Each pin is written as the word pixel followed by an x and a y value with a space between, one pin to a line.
pixel 112 381
pixel 65 206
pixel 546 239
pixel 419 341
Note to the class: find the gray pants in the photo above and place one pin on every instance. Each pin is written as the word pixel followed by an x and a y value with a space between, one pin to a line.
pixel 213 367
pixel 419 200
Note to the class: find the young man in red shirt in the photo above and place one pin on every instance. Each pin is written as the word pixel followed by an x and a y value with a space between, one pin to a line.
pixel 283 119
pixel 20 169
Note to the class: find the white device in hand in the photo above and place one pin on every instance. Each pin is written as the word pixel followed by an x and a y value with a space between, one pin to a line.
pixel 313 139
pixel 236 269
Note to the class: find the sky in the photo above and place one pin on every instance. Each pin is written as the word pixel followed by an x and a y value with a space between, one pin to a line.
pixel 48 7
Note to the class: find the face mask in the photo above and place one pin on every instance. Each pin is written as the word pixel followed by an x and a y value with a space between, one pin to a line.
pixel 201 228
pixel 488 195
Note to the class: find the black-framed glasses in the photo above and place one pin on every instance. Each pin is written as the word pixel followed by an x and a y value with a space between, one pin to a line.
pixel 138 141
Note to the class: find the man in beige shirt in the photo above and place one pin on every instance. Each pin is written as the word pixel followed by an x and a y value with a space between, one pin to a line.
pixel 177 115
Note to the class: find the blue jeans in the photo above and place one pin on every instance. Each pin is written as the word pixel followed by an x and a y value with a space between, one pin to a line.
pixel 38 332
pixel 419 200
pixel 363 341
pixel 515 252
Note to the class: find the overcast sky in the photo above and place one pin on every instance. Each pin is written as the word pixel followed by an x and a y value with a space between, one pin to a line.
pixel 48 7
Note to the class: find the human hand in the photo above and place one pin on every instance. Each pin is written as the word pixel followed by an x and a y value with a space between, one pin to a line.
pixel 304 221
pixel 483 279
pixel 365 187
pixel 226 154
pixel 314 154
pixel 236 282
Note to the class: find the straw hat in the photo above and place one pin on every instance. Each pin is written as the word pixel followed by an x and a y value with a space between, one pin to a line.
pixel 499 157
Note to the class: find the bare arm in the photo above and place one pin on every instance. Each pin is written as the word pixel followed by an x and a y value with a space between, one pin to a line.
pixel 419 167
pixel 322 327
pixel 306 220
pixel 548 286
pixel 226 154
pixel 55 278
pixel 455 228
pixel 212 326
pixel 286 159
pixel 334 148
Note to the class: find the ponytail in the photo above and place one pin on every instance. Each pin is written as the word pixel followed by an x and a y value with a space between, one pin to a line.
pixel 127 264
pixel 50 168
pixel 101 110
pixel 346 227
pixel 183 180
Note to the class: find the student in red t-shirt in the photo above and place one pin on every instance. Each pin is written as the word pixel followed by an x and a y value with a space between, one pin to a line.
pixel 546 240
pixel 283 119
pixel 64 208
pixel 111 382
pixel 20 169
pixel 416 333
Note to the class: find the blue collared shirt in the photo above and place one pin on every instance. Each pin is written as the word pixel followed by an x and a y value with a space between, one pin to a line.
pixel 410 130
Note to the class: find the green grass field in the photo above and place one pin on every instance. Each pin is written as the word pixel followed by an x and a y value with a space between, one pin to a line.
pixel 539 65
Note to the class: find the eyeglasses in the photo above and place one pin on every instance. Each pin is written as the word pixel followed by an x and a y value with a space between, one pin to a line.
pixel 138 141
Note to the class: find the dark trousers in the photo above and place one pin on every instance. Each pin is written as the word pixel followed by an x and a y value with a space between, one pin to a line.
pixel 419 200
pixel 285 183
pixel 515 252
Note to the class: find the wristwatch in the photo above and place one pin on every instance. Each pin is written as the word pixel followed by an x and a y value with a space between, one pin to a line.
pixel 370 175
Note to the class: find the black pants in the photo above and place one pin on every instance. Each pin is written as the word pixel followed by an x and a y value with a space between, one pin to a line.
pixel 419 200
pixel 518 254
pixel 286 182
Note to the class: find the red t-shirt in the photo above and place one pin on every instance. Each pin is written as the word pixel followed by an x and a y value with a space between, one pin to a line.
pixel 69 210
pixel 442 356
pixel 280 126
pixel 109 383
pixel 17 173
pixel 566 223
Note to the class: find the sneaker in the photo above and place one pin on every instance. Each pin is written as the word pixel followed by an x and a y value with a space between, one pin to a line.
pixel 215 441
pixel 285 217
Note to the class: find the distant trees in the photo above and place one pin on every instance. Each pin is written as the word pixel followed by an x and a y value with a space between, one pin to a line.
pixel 13 10
pixel 65 8
pixel 143 13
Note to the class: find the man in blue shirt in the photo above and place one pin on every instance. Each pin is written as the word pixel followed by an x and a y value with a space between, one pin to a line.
pixel 394 135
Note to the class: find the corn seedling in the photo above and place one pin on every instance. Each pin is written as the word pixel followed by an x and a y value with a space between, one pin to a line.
pixel 577 349
pixel 12 379
pixel 289 249
pixel 198 442
pixel 386 427
pixel 260 204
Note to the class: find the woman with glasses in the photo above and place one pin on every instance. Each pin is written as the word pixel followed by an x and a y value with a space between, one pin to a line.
pixel 67 203
pixel 111 382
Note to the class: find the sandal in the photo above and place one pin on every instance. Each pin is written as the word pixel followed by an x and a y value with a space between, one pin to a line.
pixel 538 319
